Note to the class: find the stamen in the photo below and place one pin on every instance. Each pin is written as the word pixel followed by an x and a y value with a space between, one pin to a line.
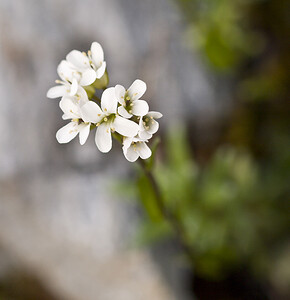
pixel 127 98
pixel 105 119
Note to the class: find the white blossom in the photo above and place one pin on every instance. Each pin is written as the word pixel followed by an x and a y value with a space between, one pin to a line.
pixel 134 147
pixel 148 125
pixel 79 69
pixel 107 120
pixel 77 126
pixel 89 67
pixel 69 83
pixel 130 99
pixel 120 110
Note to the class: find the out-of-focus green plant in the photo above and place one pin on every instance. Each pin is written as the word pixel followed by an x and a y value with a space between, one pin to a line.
pixel 233 212
pixel 219 30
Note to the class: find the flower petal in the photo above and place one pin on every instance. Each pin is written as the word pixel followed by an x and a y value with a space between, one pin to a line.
pixel 56 91
pixel 66 117
pixel 140 108
pixel 155 114
pixel 101 70
pixel 141 124
pixel 130 153
pixel 65 71
pixel 91 112
pixel 88 77
pixel 123 112
pixel 84 130
pixel 81 96
pixel 127 141
pixel 97 54
pixel 109 101
pixel 143 150
pixel 67 133
pixel 144 135
pixel 137 89
pixel 125 127
pixel 78 59
pixel 69 108
pixel 120 93
pixel 103 137
pixel 153 127
pixel 73 87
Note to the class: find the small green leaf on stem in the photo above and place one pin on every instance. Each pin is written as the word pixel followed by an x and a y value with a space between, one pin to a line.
pixel 148 198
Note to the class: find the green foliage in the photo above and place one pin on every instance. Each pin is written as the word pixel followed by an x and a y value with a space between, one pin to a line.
pixel 218 29
pixel 148 197
pixel 233 210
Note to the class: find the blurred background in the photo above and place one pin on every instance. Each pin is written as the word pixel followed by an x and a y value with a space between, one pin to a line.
pixel 72 225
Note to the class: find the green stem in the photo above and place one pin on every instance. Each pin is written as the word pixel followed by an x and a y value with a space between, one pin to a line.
pixel 169 216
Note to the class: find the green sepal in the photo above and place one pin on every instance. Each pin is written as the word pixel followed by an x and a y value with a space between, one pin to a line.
pixel 90 90
pixel 102 83
pixel 93 126
pixel 118 137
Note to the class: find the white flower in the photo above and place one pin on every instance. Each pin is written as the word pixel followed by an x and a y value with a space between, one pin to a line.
pixel 80 98
pixel 135 147
pixel 77 126
pixel 148 125
pixel 89 66
pixel 78 70
pixel 129 99
pixel 69 83
pixel 107 120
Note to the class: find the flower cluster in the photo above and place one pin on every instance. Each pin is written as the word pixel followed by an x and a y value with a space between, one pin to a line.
pixel 119 111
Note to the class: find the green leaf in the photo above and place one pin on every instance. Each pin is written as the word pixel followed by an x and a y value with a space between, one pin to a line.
pixel 150 233
pixel 148 198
